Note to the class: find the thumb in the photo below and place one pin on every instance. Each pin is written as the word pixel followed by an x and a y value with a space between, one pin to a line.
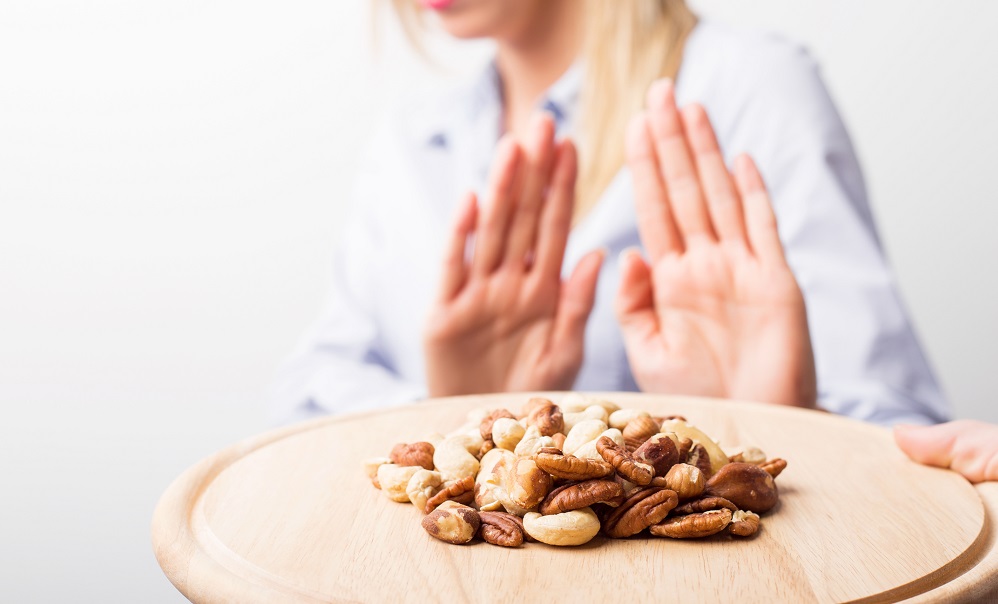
pixel 577 298
pixel 635 303
pixel 930 445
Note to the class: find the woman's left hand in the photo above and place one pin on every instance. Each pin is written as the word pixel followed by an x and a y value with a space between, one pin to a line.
pixel 965 446
pixel 505 321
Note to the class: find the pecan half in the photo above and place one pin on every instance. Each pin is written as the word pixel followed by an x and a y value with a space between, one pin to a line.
pixel 413 454
pixel 641 428
pixel 548 419
pixel 747 486
pixel 744 524
pixel 773 467
pixel 636 472
pixel 500 528
pixel 569 467
pixel 486 426
pixel 641 510
pixel 660 452
pixel 693 526
pixel 577 495
pixel 705 504
pixel 460 491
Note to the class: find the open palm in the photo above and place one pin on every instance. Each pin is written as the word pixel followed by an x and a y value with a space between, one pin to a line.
pixel 505 320
pixel 717 312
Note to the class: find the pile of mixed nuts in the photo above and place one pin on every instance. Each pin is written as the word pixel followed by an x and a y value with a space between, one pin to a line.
pixel 559 473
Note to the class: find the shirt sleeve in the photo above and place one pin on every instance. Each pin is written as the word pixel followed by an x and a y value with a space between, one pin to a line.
pixel 340 365
pixel 869 362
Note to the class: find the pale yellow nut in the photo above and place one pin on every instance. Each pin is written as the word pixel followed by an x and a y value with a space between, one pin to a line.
pixel 583 432
pixel 532 442
pixel 609 406
pixel 753 455
pixel 423 485
pixel 434 438
pixel 718 458
pixel 395 479
pixel 485 498
pixel 518 484
pixel 591 412
pixel 452 459
pixel 620 419
pixel 573 402
pixel 507 433
pixel 372 464
pixel 565 529
pixel 588 450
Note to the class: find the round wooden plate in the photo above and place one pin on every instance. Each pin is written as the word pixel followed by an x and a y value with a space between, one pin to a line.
pixel 291 516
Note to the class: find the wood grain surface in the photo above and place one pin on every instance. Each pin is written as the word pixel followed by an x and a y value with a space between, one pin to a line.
pixel 289 516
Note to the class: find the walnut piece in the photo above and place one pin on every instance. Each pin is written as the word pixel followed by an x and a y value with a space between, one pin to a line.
pixel 744 524
pixel 569 467
pixel 634 471
pixel 642 509
pixel 413 454
pixel 577 495
pixel 500 528
pixel 693 526
pixel 452 523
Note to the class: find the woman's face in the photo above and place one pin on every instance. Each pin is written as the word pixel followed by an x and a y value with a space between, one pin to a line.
pixel 497 19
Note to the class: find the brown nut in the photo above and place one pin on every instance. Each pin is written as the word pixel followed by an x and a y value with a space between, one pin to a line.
pixel 686 480
pixel 461 491
pixel 413 454
pixel 632 444
pixel 569 467
pixel 699 457
pixel 684 445
pixel 500 528
pixel 705 504
pixel 486 426
pixel 534 403
pixel 693 526
pixel 485 448
pixel 641 510
pixel 641 428
pixel 454 523
pixel 747 486
pixel 660 452
pixel 520 485
pixel 579 495
pixel 744 524
pixel 773 467
pixel 615 455
pixel 548 419
pixel 559 440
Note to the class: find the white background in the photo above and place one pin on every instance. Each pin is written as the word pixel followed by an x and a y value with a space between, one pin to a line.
pixel 172 177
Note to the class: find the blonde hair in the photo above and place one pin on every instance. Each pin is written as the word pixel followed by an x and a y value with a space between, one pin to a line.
pixel 627 45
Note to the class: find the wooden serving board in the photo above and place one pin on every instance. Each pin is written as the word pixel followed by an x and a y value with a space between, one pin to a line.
pixel 290 516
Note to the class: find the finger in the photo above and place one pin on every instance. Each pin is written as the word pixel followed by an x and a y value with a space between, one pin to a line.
pixel 455 268
pixel 556 217
pixel 490 238
pixel 655 223
pixel 723 204
pixel 676 165
pixel 929 445
pixel 760 221
pixel 634 306
pixel 576 301
pixel 537 160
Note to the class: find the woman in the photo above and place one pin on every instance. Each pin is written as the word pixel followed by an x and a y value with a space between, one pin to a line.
pixel 500 316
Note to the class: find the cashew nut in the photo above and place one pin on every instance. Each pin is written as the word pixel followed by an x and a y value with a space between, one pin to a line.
pixel 568 528
pixel 582 433
pixel 588 450
pixel 423 485
pixel 532 442
pixel 590 412
pixel 453 457
pixel 619 419
pixel 394 480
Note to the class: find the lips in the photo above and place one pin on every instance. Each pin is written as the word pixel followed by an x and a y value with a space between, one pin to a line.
pixel 436 4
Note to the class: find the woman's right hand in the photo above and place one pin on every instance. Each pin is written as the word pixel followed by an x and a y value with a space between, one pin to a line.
pixel 504 321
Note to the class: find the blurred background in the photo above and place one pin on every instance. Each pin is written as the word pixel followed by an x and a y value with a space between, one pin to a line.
pixel 172 181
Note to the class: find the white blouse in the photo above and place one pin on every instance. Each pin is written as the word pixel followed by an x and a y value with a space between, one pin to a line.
pixel 764 96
